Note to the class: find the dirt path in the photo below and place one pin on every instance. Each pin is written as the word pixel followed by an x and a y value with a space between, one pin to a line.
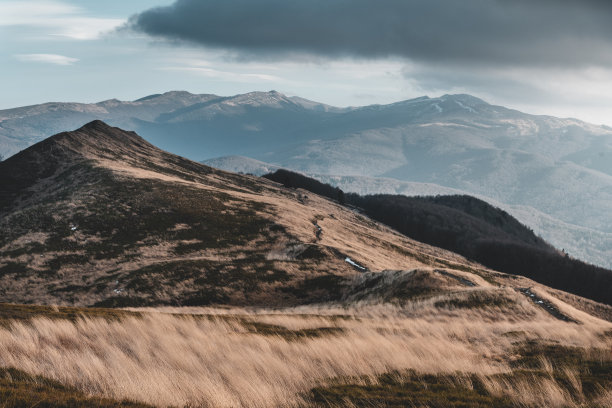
pixel 546 305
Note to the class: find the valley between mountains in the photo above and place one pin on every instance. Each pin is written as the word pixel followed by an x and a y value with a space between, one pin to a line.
pixel 133 277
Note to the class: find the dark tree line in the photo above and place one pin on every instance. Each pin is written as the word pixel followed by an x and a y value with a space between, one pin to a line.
pixel 474 229
pixel 295 180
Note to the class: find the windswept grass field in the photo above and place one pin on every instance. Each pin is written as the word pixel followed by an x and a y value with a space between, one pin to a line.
pixel 479 347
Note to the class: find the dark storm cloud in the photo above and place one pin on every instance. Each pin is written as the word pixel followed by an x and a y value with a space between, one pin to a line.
pixel 542 32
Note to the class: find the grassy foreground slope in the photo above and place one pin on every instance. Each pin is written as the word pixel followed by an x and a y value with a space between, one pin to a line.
pixel 423 338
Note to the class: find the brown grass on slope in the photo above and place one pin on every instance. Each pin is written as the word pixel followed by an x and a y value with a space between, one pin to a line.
pixel 237 358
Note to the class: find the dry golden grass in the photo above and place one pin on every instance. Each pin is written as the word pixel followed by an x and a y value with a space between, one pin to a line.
pixel 605 401
pixel 272 358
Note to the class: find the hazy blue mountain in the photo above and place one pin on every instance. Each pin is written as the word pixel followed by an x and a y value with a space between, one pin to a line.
pixel 22 127
pixel 197 126
pixel 559 171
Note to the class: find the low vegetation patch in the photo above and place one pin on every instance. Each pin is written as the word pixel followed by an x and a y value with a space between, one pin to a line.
pixel 408 390
pixel 12 312
pixel 312 252
pixel 123 301
pixel 20 390
pixel 268 329
pixel 398 287
pixel 544 375
pixel 475 300
pixel 324 287
pixel 11 268
pixel 56 263
pixel 209 282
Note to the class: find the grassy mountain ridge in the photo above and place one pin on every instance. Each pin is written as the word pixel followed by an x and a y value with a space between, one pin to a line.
pixel 101 217
pixel 475 229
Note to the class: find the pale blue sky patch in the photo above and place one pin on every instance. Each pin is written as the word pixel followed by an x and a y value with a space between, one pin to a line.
pixel 47 59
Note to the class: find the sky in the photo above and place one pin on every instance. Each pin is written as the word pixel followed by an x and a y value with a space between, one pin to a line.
pixel 546 57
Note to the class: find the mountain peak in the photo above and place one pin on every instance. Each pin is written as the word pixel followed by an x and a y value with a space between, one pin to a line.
pixel 96 144
pixel 97 140
pixel 263 95
pixel 182 98
pixel 98 131
pixel 444 105
pixel 259 99
pixel 97 125
pixel 465 99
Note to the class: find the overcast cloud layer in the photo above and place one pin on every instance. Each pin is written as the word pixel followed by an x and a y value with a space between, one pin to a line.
pixel 516 32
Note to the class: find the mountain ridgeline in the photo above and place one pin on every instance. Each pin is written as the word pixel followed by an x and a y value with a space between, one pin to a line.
pixel 474 229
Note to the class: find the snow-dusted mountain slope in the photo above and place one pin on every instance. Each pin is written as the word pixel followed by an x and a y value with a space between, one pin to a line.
pixel 241 164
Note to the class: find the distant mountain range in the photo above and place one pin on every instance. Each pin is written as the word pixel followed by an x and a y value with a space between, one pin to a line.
pixel 202 126
pixel 560 168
